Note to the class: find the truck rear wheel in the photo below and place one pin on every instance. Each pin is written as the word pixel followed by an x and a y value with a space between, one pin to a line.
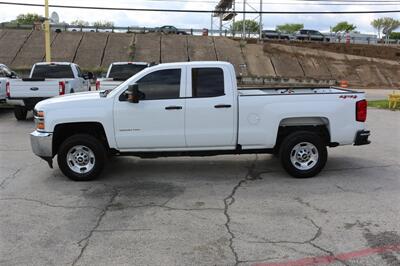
pixel 303 154
pixel 81 157
pixel 20 112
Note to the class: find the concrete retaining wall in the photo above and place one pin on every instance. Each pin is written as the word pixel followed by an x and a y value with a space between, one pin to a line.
pixel 32 51
pixel 118 48
pixel 174 48
pixel 11 43
pixel 65 46
pixel 147 47
pixel 201 48
pixel 270 63
pixel 91 49
pixel 229 50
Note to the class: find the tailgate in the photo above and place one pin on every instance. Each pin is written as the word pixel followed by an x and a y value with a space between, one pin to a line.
pixel 3 88
pixel 34 89
pixel 109 84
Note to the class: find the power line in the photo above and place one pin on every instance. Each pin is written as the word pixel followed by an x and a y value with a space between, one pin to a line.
pixel 298 2
pixel 342 3
pixel 202 11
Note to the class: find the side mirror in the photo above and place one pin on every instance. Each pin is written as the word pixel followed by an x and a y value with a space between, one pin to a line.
pixel 88 75
pixel 13 75
pixel 133 93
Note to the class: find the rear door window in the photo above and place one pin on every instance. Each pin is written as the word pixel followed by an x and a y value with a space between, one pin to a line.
pixel 207 82
pixel 53 72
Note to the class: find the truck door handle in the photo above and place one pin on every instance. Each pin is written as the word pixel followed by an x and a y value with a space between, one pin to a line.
pixel 173 108
pixel 223 106
pixel 34 89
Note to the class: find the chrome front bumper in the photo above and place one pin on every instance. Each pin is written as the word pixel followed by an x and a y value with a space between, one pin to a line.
pixel 42 144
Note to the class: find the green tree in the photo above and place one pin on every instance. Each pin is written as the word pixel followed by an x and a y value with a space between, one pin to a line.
pixel 251 26
pixel 343 26
pixel 394 36
pixel 389 25
pixel 27 19
pixel 378 25
pixel 80 22
pixel 289 28
pixel 103 23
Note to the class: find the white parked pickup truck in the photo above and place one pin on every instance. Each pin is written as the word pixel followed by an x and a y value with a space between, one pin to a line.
pixel 46 80
pixel 119 72
pixel 5 75
pixel 196 109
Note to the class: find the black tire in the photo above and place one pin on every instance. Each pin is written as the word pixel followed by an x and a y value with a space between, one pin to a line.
pixel 90 142
pixel 300 138
pixel 20 113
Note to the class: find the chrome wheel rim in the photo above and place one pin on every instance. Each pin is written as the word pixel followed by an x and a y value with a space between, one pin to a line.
pixel 304 156
pixel 81 159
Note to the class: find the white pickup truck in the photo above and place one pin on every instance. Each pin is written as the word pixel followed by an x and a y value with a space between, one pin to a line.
pixel 46 80
pixel 5 75
pixel 119 72
pixel 196 109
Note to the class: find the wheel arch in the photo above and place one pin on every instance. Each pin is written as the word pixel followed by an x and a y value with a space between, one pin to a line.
pixel 66 130
pixel 289 125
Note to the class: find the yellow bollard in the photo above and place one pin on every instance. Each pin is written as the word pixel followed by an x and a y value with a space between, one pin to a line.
pixel 394 99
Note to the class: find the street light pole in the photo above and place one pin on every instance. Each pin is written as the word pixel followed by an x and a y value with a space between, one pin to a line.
pixel 47 31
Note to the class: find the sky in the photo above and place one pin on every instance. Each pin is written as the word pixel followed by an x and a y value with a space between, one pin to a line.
pixel 200 20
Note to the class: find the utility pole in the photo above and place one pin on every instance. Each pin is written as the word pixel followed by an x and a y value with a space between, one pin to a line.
pixel 261 19
pixel 244 20
pixel 211 28
pixel 47 30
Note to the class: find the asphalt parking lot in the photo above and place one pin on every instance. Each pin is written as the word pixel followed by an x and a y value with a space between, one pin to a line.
pixel 222 210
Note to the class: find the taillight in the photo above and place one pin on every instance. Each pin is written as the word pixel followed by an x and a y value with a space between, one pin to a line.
pixel 8 93
pixel 344 84
pixel 97 85
pixel 61 88
pixel 361 111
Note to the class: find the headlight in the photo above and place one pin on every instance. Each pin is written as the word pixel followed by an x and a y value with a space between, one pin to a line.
pixel 39 120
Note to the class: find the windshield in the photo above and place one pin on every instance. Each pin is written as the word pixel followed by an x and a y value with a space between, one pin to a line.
pixel 53 72
pixel 124 72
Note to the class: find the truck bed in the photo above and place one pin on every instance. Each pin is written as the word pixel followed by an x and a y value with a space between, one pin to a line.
pixel 255 91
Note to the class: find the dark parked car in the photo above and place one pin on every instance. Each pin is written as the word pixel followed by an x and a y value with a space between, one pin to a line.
pixel 311 35
pixel 170 30
pixel 273 34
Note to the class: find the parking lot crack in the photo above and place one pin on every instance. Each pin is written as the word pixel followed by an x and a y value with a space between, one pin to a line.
pixel 316 236
pixel 309 205
pixel 86 239
pixel 310 241
pixel 229 200
pixel 47 204
pixel 4 183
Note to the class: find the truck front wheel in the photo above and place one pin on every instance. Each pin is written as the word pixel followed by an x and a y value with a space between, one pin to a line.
pixel 20 112
pixel 303 154
pixel 81 157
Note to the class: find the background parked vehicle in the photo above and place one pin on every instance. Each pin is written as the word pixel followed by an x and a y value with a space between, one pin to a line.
pixel 118 72
pixel 168 29
pixel 5 75
pixel 45 81
pixel 273 34
pixel 311 35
